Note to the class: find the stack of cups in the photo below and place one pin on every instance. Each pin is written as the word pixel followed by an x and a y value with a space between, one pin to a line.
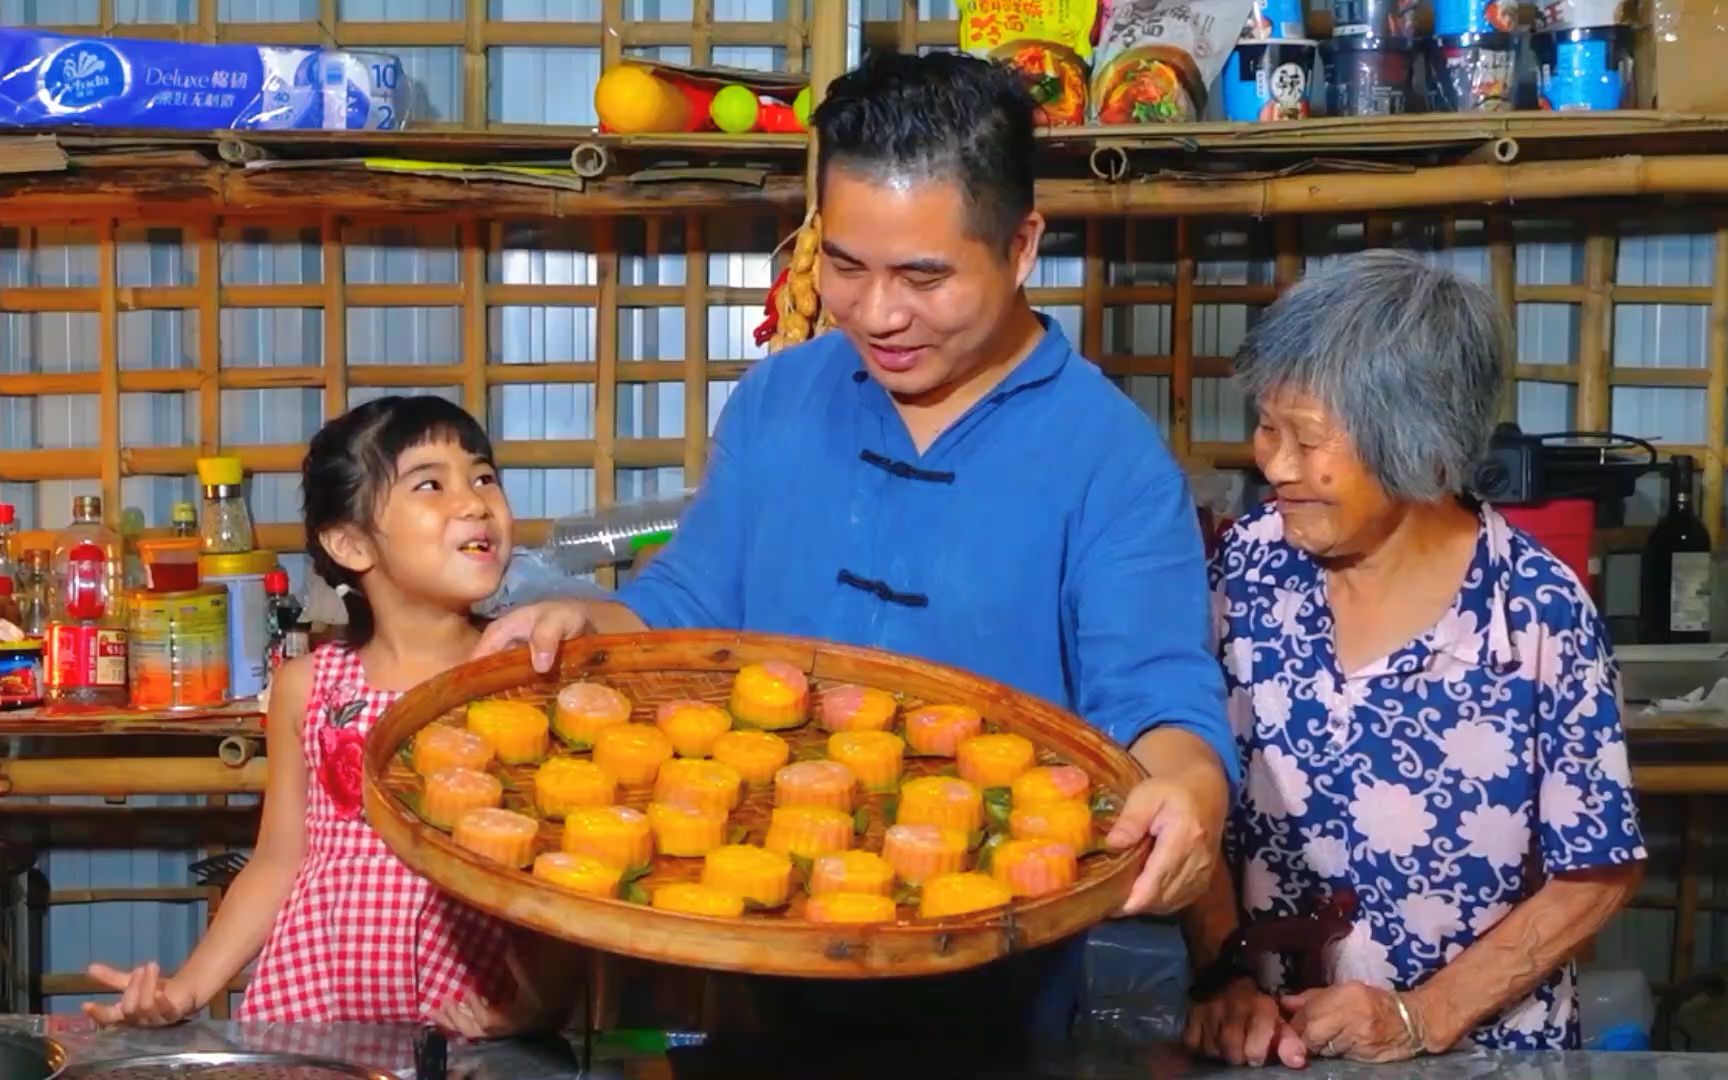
pixel 1473 56
pixel 1369 59
pixel 1269 75
pixel 1584 54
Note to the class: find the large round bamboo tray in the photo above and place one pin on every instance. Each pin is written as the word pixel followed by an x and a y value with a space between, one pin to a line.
pixel 653 668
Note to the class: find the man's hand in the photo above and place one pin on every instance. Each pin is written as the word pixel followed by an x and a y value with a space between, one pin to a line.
pixel 146 998
pixel 542 627
pixel 1184 846
pixel 1352 1020
pixel 1244 1027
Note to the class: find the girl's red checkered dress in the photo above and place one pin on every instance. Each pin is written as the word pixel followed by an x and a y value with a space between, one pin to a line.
pixel 362 937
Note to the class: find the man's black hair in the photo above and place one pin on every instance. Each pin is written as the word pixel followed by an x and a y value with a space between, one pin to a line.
pixel 944 116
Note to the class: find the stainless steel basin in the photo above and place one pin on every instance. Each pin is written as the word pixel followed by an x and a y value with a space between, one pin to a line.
pixel 27 1057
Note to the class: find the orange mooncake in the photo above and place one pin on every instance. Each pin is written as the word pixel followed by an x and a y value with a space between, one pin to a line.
pixel 713 786
pixel 686 832
pixel 616 835
pixel 851 872
pixel 857 708
pixel 632 753
pixel 758 875
pixel 921 852
pixel 693 726
pixel 850 908
pixel 579 873
pixel 757 755
pixel 1034 867
pixel 517 730
pixel 808 831
pixel 562 784
pixel 500 835
pixel 815 783
pixel 772 695
pixel 450 793
pixel 938 730
pixel 441 746
pixel 961 894
pixel 993 761
pixel 875 757
pixel 1048 784
pixel 691 898
pixel 1066 823
pixel 947 801
pixel 584 709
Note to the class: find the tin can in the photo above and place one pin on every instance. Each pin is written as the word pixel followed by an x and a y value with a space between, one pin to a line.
pixel 20 674
pixel 179 649
pixel 86 663
pixel 248 628
pixel 1368 76
pixel 1475 17
pixel 1473 73
pixel 1584 70
pixel 1273 20
pixel 1265 81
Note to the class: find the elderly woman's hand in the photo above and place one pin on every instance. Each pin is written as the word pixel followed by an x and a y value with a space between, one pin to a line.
pixel 1352 1020
pixel 1243 1027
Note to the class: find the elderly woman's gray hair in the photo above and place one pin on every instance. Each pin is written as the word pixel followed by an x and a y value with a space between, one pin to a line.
pixel 1408 357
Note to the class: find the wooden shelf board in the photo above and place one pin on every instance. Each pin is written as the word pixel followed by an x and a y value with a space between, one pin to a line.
pixel 240 718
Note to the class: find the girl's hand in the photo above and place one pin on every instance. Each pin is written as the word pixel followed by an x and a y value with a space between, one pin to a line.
pixel 542 627
pixel 473 1017
pixel 146 998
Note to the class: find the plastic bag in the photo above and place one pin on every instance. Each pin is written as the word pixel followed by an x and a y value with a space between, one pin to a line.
pixel 1045 41
pixel 1136 983
pixel 534 575
pixel 48 79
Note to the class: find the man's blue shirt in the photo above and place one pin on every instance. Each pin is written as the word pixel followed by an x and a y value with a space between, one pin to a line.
pixel 1047 539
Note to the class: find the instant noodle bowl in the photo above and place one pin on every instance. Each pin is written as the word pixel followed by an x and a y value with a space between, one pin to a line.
pixel 1473 73
pixel 1367 76
pixel 1054 75
pixel 1154 58
pixel 1583 70
pixel 1268 80
pixel 1274 20
pixel 1151 84
pixel 1582 14
pixel 1474 17
pixel 1374 18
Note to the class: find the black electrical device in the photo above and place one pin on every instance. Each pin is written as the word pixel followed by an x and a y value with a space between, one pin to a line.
pixel 1522 468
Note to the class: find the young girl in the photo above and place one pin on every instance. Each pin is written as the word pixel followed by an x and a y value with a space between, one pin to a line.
pixel 406 519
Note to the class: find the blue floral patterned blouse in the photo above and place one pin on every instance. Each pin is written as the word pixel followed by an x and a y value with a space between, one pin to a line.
pixel 1445 782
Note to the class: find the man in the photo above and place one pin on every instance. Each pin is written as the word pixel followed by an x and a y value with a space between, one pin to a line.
pixel 945 477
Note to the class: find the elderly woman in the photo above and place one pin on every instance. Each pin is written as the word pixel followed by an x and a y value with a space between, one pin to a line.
pixel 1425 697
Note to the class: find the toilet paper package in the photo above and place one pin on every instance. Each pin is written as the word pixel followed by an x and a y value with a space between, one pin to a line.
pixel 51 80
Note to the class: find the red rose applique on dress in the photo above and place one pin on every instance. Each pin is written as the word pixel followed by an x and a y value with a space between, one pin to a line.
pixel 341 747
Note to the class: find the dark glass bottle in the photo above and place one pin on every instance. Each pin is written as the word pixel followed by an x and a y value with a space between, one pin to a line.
pixel 1675 600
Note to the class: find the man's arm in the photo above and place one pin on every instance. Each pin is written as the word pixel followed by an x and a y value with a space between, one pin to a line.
pixel 1147 675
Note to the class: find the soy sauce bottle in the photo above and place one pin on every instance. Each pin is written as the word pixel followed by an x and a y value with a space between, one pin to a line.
pixel 1676 578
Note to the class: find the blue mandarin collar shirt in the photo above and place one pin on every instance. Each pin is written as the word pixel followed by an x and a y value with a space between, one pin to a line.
pixel 1047 539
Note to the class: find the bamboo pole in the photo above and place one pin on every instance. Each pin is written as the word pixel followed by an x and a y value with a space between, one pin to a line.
pixel 334 374
pixel 108 363
pixel 606 372
pixel 1593 334
pixel 1092 292
pixel 702 33
pixel 695 348
pixel 1716 399
pixel 475 106
pixel 1287 243
pixel 208 280
pixel 1503 277
pixel 474 317
pixel 130 776
pixel 1333 193
pixel 1182 344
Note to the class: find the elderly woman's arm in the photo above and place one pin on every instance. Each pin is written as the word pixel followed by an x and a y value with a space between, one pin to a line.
pixel 1363 1023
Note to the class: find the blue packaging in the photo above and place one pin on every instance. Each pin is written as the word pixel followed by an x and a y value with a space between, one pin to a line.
pixel 1584 70
pixel 47 79
pixel 1475 17
pixel 1268 80
pixel 1274 20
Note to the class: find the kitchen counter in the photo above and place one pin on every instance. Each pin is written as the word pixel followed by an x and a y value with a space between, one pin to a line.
pixel 390 1048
